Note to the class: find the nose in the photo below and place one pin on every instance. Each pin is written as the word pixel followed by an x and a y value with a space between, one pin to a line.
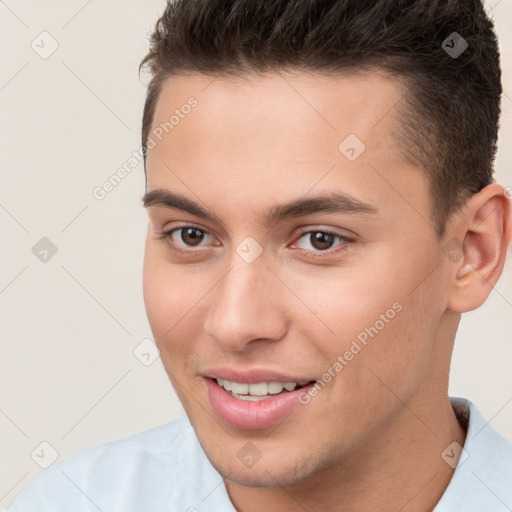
pixel 247 305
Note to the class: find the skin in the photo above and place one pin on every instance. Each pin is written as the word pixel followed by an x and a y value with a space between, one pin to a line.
pixel 372 438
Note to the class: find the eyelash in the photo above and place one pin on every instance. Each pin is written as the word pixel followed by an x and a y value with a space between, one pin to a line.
pixel 166 235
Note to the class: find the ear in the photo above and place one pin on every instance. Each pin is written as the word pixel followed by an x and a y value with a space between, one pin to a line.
pixel 478 247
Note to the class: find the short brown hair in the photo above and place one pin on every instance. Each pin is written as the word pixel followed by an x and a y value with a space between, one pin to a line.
pixel 450 124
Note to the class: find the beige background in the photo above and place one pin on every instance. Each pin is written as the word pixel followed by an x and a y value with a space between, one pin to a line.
pixel 68 375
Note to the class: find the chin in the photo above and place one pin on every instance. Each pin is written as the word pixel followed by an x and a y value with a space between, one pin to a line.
pixel 262 477
pixel 269 473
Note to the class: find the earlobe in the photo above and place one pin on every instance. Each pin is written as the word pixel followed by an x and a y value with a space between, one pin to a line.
pixel 484 229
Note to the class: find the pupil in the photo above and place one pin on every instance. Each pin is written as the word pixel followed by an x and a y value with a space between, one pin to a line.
pixel 321 240
pixel 192 233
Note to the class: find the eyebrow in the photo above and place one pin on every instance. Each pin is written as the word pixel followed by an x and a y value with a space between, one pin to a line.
pixel 333 202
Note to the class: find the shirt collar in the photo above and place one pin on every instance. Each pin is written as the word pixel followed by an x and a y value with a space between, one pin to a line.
pixel 482 480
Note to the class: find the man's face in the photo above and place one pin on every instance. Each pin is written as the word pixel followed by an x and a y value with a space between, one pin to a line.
pixel 362 287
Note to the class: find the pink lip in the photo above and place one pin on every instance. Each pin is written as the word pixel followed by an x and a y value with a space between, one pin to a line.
pixel 252 415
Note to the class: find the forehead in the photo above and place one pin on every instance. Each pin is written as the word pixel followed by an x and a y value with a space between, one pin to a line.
pixel 281 131
pixel 330 103
pixel 283 114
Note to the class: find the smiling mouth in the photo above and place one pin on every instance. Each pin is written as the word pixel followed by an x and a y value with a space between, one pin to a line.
pixel 258 391
pixel 254 405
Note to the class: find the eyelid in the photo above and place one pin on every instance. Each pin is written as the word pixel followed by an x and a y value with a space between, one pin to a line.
pixel 167 233
pixel 327 252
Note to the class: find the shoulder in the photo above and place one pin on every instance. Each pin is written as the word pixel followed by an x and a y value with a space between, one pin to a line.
pixel 101 475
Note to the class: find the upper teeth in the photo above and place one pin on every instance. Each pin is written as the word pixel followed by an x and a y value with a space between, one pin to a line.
pixel 257 389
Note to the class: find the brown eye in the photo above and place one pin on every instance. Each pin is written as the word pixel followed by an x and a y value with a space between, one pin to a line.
pixel 320 240
pixel 321 243
pixel 191 236
pixel 184 237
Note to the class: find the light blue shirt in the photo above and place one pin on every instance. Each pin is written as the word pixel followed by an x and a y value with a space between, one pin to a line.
pixel 165 469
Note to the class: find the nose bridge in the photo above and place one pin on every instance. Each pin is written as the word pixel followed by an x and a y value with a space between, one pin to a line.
pixel 243 306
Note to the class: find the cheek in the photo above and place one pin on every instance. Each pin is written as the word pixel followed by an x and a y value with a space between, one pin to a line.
pixel 345 305
pixel 398 357
pixel 169 295
pixel 379 317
